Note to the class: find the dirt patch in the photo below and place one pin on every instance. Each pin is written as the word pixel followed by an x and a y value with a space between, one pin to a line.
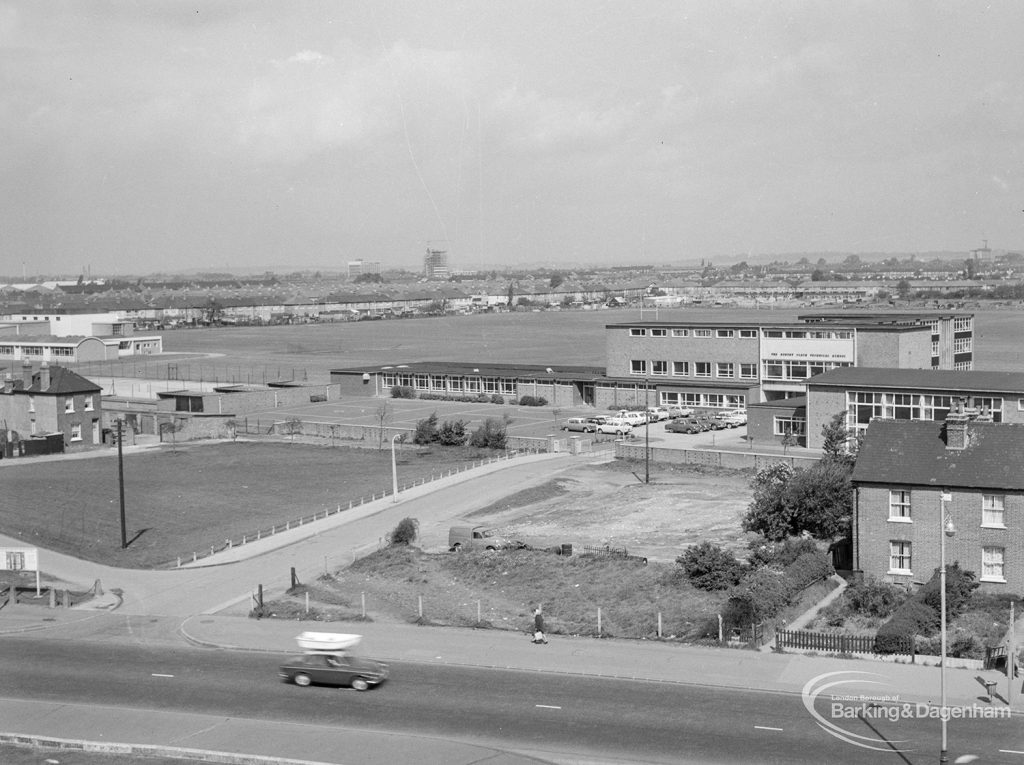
pixel 610 505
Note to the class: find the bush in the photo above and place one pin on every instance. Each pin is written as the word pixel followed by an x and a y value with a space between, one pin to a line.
pixel 402 391
pixel 452 433
pixel 426 430
pixel 960 585
pixel 533 401
pixel 874 598
pixel 761 595
pixel 895 636
pixel 497 398
pixel 490 435
pixel 709 567
pixel 764 552
pixel 809 568
pixel 405 532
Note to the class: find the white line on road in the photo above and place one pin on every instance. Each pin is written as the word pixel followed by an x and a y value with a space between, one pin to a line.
pixel 1010 751
pixel 763 727
pixel 158 674
pixel 545 706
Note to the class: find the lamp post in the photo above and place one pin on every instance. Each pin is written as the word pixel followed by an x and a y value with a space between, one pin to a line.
pixel 120 482
pixel 647 432
pixel 394 470
pixel 946 529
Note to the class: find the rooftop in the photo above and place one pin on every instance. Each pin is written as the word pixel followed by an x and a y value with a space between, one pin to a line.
pixel 943 380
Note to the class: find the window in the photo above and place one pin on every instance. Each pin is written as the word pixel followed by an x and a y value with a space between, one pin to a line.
pixel 88 403
pixel 31 403
pixel 963 366
pixel 962 345
pixel 490 385
pixel 637 332
pixel 773 333
pixel 702 333
pixel 658 332
pixel 638 367
pixel 748 333
pixel 422 382
pixel 682 368
pixel 790 426
pixel 935 347
pixel 76 432
pixel 992 511
pixel 992 564
pixel 748 371
pixel 659 367
pixel 899 505
pixel 702 369
pixel 724 369
pixel 508 387
pixel 69 405
pixel 680 333
pixel 772 370
pixel 899 557
pixel 961 323
pixel 723 333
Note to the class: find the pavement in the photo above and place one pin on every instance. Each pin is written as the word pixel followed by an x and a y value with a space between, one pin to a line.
pixel 111 617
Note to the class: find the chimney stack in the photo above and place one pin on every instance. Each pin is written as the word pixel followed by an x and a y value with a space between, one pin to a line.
pixel 8 383
pixel 956 426
pixel 26 375
pixel 44 376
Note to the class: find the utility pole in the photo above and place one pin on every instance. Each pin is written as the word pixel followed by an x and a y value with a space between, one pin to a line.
pixel 120 482
pixel 647 432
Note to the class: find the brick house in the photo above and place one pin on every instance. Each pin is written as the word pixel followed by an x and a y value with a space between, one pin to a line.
pixel 52 400
pixel 902 471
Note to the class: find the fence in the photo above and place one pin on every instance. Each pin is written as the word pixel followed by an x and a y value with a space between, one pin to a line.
pixel 830 642
pixel 710 458
pixel 46 596
pixel 198 372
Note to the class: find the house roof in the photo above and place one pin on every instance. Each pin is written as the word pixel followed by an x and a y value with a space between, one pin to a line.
pixel 957 381
pixel 62 382
pixel 915 453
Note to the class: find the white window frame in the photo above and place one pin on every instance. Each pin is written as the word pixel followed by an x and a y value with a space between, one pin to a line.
pixel 69 405
pixel 677 365
pixel 697 366
pixel 659 332
pixel 637 332
pixel 993 511
pixel 702 333
pixel 76 432
pixel 725 333
pixel 89 404
pixel 900 551
pixel 899 506
pixel 659 367
pixel 748 371
pixel 725 369
pixel 748 333
pixel 638 366
pixel 993 564
pixel 680 333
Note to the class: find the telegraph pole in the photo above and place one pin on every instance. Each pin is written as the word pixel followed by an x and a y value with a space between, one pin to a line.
pixel 120 482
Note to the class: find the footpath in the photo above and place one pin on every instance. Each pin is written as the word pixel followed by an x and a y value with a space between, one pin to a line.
pixel 206 738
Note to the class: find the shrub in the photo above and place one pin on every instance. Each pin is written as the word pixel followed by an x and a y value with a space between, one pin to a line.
pixel 481 398
pixel 497 398
pixel 452 433
pixel 780 554
pixel 761 595
pixel 709 567
pixel 426 430
pixel 533 401
pixel 809 568
pixel 402 391
pixel 895 636
pixel 490 435
pixel 405 532
pixel 960 585
pixel 874 598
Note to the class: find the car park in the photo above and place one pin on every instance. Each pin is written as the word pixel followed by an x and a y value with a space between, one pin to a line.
pixel 615 426
pixel 328 660
pixel 675 411
pixel 579 425
pixel 633 417
pixel 657 413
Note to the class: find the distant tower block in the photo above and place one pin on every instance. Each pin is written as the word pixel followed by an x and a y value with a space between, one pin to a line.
pixel 435 264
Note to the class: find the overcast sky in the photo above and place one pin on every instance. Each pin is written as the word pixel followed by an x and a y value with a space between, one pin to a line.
pixel 146 135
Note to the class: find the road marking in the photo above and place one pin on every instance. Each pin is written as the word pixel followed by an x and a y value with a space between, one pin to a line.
pixel 764 727
pixel 1010 751
pixel 158 674
pixel 545 706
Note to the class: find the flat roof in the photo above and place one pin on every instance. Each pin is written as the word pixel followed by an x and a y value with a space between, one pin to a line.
pixel 461 368
pixel 857 321
pixel 920 379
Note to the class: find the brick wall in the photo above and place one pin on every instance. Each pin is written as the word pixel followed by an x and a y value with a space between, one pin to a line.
pixel 875 531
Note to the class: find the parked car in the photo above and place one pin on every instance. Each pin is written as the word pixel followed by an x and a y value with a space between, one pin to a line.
pixel 739 416
pixel 615 426
pixel 328 661
pixel 597 420
pixel 685 425
pixel 732 418
pixel 633 417
pixel 675 411
pixel 580 425
pixel 657 413
pixel 478 538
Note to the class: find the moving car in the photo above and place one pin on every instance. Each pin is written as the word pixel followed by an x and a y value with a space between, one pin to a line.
pixel 328 661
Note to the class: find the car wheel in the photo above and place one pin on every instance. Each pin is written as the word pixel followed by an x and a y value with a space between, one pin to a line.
pixel 303 680
pixel 491 548
pixel 360 685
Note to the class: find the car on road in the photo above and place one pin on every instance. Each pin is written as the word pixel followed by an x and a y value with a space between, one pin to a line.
pixel 334 668
pixel 615 426
pixel 687 425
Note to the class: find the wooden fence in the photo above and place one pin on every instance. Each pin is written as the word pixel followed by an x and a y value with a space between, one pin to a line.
pixel 831 642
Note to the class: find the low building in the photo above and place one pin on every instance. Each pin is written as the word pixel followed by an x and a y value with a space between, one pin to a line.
pixel 51 400
pixel 908 474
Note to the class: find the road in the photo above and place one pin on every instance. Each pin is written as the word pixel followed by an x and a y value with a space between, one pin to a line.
pixel 558 718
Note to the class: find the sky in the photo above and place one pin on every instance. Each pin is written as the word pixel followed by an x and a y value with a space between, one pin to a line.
pixel 144 136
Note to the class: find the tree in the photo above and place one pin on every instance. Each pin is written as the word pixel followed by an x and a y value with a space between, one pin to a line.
pixel 903 289
pixel 556 280
pixel 817 275
pixel 787 502
pixel 368 279
pixel 511 294
pixel 452 433
pixel 405 532
pixel 383 413
pixel 426 430
pixel 709 567
pixel 490 435
pixel 838 445
pixel 970 269
pixel 171 427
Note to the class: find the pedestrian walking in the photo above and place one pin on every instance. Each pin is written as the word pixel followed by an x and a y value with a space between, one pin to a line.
pixel 538 627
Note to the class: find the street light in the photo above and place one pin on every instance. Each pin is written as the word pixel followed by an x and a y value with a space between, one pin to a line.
pixel 394 470
pixel 947 529
pixel 647 432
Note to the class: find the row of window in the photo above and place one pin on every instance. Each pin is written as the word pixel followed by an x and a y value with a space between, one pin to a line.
pixel 992 508
pixel 862 407
pixel 88 404
pixel 798 370
pixel 993 560
pixel 723 369
pixel 445 384
pixel 703 400
pixel 790 426
pixel 37 350
pixel 724 334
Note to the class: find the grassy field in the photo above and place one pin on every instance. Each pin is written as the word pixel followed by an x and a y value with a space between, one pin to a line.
pixel 197 495
pixel 508 585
